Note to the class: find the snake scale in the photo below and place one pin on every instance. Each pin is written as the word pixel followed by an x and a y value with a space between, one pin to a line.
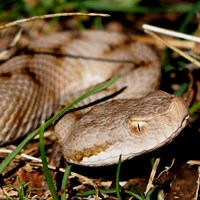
pixel 54 70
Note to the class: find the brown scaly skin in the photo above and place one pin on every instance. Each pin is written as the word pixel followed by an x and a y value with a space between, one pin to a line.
pixel 58 68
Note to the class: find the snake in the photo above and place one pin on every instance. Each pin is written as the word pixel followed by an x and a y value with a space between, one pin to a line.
pixel 130 118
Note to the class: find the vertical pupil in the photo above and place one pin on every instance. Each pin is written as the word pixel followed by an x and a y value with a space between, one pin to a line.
pixel 138 125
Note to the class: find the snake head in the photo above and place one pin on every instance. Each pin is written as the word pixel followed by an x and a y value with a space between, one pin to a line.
pixel 159 112
pixel 127 127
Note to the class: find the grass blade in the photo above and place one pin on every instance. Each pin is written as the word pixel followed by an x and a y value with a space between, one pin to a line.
pixel 45 165
pixel 117 178
pixel 191 13
pixel 151 192
pixel 109 191
pixel 64 181
pixel 133 7
pixel 92 192
pixel 134 195
pixel 140 193
pixel 183 88
pixel 194 108
pixel 9 158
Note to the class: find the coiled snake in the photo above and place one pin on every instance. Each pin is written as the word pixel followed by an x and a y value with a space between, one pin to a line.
pixel 56 69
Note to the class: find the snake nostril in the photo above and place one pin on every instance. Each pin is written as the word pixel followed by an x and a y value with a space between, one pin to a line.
pixel 180 108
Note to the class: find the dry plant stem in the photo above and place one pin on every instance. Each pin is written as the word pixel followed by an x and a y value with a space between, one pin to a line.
pixel 152 175
pixel 6 193
pixel 89 181
pixel 21 155
pixel 198 184
pixel 166 169
pixel 173 48
pixel 151 41
pixel 16 38
pixel 193 162
pixel 171 33
pixel 38 161
pixel 4 53
pixel 47 134
pixel 83 179
pixel 50 16
pixel 50 167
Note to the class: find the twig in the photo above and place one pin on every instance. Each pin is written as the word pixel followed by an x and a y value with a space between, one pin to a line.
pixel 171 33
pixel 198 183
pixel 38 162
pixel 175 42
pixel 152 175
pixel 167 168
pixel 3 54
pixel 22 155
pixel 193 162
pixel 174 48
pixel 4 26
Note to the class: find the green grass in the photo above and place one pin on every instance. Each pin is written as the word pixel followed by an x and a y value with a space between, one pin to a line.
pixel 194 108
pixel 190 15
pixel 64 181
pixel 45 165
pixel 24 8
pixel 22 190
pixel 117 178
pixel 119 190
pixel 47 172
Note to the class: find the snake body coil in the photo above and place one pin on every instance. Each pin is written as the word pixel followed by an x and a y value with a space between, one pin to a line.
pixel 56 69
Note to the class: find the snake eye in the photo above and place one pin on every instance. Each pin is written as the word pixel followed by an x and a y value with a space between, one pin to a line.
pixel 137 127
